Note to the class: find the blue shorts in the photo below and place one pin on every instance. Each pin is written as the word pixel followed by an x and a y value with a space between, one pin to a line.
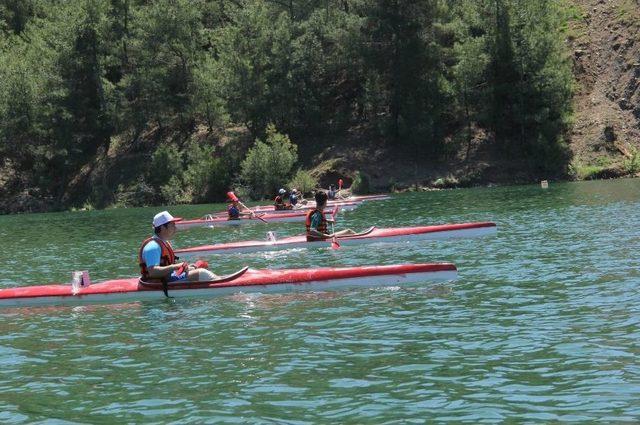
pixel 173 277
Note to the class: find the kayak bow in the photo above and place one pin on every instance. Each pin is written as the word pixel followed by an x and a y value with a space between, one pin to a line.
pixel 247 281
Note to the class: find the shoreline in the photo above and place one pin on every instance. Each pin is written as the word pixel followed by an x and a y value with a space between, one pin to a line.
pixel 400 188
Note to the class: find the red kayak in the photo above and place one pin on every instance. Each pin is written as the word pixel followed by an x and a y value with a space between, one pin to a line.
pixel 213 221
pixel 361 198
pixel 345 204
pixel 245 280
pixel 372 235
pixel 269 209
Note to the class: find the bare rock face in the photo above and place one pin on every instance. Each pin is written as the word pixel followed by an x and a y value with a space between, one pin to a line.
pixel 606 57
pixel 624 103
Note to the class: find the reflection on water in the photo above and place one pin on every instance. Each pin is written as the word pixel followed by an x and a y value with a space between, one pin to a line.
pixel 541 326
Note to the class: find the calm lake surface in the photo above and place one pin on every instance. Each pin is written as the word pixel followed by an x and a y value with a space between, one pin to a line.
pixel 542 325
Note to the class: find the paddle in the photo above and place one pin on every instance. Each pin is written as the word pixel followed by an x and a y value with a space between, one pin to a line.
pixel 260 218
pixel 334 212
pixel 253 213
pixel 334 242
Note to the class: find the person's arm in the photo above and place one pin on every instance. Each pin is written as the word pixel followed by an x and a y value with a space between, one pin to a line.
pixel 317 234
pixel 162 271
pixel 151 256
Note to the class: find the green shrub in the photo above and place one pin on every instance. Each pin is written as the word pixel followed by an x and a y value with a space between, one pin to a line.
pixel 166 162
pixel 206 176
pixel 268 164
pixel 632 165
pixel 585 172
pixel 241 191
pixel 361 184
pixel 137 195
pixel 176 192
pixel 303 181
pixel 603 161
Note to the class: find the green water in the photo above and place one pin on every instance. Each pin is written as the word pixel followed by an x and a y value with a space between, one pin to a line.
pixel 542 324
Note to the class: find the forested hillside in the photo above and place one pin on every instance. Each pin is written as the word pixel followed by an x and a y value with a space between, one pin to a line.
pixel 133 102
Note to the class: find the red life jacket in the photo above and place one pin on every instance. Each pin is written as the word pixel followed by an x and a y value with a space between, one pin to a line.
pixel 322 228
pixel 280 205
pixel 167 256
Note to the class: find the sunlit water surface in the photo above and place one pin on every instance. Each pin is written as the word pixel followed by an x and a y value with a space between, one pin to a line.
pixel 542 324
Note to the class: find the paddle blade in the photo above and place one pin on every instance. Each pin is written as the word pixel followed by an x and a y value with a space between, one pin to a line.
pixel 261 219
pixel 335 244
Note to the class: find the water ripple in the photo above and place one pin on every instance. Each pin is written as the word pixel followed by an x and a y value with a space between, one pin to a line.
pixel 541 326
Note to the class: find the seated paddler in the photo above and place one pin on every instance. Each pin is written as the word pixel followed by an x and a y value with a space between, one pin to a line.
pixel 159 263
pixel 237 209
pixel 317 223
pixel 279 203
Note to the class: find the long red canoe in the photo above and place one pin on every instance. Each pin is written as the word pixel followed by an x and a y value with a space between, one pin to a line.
pixel 373 235
pixel 269 209
pixel 213 221
pixel 345 204
pixel 245 281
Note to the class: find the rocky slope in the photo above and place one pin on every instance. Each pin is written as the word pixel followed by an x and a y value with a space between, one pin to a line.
pixel 604 40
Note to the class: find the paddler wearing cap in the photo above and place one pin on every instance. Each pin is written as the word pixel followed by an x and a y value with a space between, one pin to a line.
pixel 234 210
pixel 157 260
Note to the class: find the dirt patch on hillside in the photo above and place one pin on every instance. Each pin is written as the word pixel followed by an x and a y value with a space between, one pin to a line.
pixel 606 55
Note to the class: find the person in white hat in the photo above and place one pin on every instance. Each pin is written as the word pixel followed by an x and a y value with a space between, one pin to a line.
pixel 279 203
pixel 157 260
